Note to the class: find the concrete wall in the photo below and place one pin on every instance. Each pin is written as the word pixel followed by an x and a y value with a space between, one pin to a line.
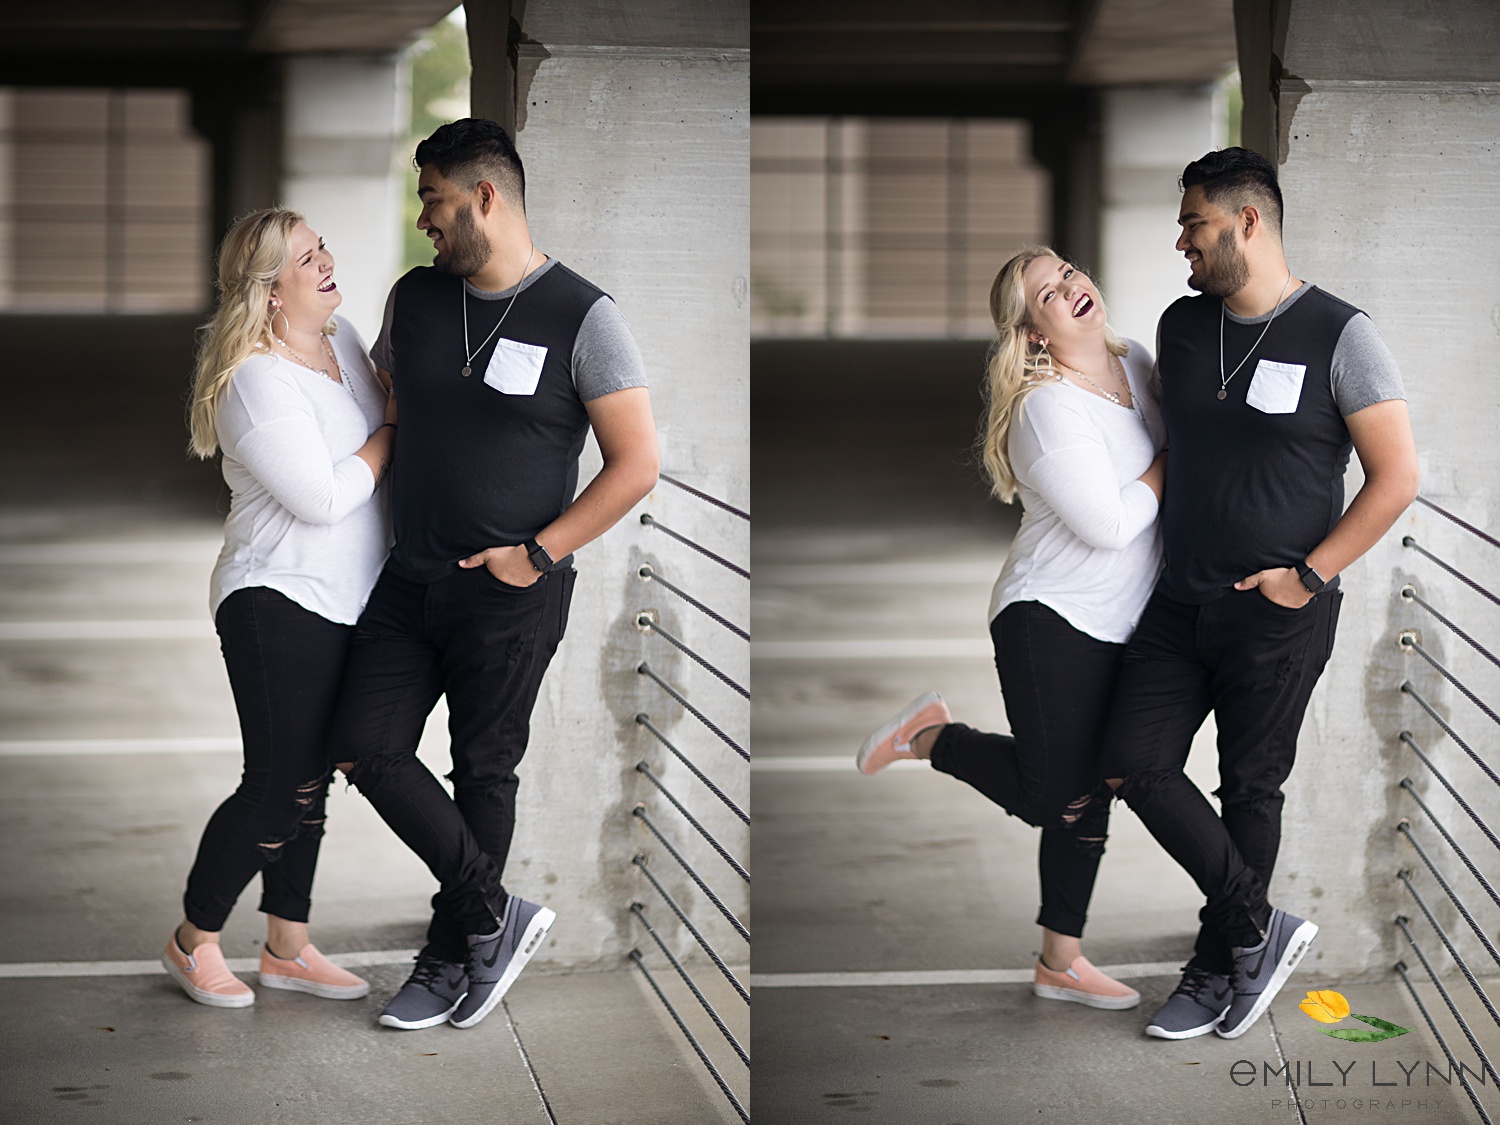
pixel 634 127
pixel 1150 135
pixel 344 136
pixel 1388 119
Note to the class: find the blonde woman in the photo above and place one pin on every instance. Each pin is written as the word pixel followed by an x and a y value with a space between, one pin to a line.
pixel 1073 430
pixel 286 391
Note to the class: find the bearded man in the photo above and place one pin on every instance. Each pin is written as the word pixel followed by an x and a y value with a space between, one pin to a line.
pixel 1266 384
pixel 502 359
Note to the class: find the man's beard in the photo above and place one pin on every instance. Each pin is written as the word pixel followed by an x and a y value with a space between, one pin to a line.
pixel 468 250
pixel 1226 273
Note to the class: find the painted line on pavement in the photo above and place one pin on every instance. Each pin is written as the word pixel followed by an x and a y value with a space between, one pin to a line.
pixel 108 553
pixel 33 969
pixel 192 628
pixel 934 977
pixel 58 747
pixel 915 648
pixel 820 763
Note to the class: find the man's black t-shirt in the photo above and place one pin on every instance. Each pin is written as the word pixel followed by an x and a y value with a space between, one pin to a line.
pixel 1256 479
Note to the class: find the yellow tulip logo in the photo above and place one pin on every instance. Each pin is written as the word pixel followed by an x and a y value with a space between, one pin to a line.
pixel 1327 1006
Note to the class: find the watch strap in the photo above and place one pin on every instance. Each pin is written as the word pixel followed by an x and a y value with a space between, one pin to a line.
pixel 1312 581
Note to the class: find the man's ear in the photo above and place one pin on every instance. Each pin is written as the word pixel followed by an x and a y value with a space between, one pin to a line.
pixel 1250 220
pixel 488 196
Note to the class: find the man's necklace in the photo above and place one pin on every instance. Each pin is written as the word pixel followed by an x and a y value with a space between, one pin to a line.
pixel 463 294
pixel 1224 379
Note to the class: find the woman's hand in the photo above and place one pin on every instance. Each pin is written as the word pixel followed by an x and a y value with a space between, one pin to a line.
pixel 1155 477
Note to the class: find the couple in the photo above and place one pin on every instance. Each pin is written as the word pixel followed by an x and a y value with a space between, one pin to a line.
pixel 338 650
pixel 1114 642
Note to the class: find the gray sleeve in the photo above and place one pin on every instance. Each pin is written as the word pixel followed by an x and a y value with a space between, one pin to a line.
pixel 1364 370
pixel 381 352
pixel 605 356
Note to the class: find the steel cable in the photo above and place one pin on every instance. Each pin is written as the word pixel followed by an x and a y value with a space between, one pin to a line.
pixel 645 720
pixel 1463 966
pixel 715 501
pixel 642 767
pixel 1411 643
pixel 708 892
pixel 650 521
pixel 645 669
pixel 1443 1043
pixel 645 622
pixel 1409 593
pixel 713 954
pixel 647 573
pixel 1452 792
pixel 1469 527
pixel 1449 731
pixel 1410 541
pixel 1405 830
pixel 1452 843
pixel 635 955
pixel 639 912
pixel 1484 1060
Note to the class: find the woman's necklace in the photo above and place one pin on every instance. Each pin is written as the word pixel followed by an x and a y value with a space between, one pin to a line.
pixel 463 295
pixel 1113 396
pixel 323 371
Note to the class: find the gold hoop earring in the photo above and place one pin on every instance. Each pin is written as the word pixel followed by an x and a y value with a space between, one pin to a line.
pixel 272 325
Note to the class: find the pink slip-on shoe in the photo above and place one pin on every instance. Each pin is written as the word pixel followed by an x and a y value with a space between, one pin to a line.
pixel 892 742
pixel 205 977
pixel 310 971
pixel 1081 983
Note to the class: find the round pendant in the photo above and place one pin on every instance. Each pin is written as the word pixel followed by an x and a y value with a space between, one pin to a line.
pixel 1221 396
pixel 465 373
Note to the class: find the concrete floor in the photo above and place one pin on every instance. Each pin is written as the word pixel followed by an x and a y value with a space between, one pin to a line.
pixel 113 752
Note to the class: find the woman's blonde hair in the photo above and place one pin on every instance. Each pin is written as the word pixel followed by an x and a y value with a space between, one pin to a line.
pixel 1017 366
pixel 251 260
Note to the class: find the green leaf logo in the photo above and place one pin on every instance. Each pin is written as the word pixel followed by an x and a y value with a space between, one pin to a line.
pixel 1327 1006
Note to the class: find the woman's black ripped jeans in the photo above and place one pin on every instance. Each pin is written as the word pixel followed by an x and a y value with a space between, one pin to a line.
pixel 284 664
pixel 1058 683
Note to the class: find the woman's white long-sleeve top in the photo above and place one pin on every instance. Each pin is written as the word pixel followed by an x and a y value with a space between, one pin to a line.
pixel 1088 546
pixel 305 517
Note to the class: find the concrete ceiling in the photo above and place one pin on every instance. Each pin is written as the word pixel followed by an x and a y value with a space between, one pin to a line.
pixel 168 27
pixel 810 44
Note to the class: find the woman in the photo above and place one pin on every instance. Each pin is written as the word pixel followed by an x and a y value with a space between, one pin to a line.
pixel 287 391
pixel 1073 429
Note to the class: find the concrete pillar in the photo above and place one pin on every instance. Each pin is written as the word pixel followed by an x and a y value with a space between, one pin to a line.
pixel 1150 135
pixel 344 139
pixel 633 122
pixel 1387 128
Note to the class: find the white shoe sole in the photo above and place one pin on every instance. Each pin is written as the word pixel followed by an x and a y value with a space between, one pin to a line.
pixel 531 941
pixel 326 991
pixel 892 727
pixel 387 1020
pixel 212 999
pixel 1192 1033
pixel 1302 937
pixel 1113 1003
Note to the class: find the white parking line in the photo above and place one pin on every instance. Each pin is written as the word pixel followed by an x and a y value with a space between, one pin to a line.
pixel 58 747
pixel 883 648
pixel 33 969
pixel 109 553
pixel 822 763
pixel 880 574
pixel 190 628
pixel 929 978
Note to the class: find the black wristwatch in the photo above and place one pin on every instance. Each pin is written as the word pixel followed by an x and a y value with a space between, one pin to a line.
pixel 538 555
pixel 1312 581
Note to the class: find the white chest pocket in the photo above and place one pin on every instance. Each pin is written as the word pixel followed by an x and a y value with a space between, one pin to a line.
pixel 1277 387
pixel 515 367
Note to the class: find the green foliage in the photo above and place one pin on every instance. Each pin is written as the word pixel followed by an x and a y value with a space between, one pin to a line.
pixel 439 75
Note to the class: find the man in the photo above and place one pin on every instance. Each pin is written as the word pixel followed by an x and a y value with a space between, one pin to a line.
pixel 502 358
pixel 1265 381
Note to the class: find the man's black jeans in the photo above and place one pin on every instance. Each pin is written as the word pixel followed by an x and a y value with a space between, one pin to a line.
pixel 1254 664
pixel 486 646
pixel 284 666
pixel 1058 683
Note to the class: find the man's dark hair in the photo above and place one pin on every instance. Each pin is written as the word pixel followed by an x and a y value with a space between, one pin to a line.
pixel 472 149
pixel 1235 178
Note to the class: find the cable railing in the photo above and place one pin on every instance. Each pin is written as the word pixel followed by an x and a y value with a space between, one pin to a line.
pixel 680 821
pixel 1465 681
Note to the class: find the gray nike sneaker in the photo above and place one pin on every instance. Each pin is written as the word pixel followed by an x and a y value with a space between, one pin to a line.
pixel 429 996
pixel 1195 1007
pixel 1260 972
pixel 495 960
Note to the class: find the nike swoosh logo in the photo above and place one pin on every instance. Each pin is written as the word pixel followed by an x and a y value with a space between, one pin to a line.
pixel 489 962
pixel 456 981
